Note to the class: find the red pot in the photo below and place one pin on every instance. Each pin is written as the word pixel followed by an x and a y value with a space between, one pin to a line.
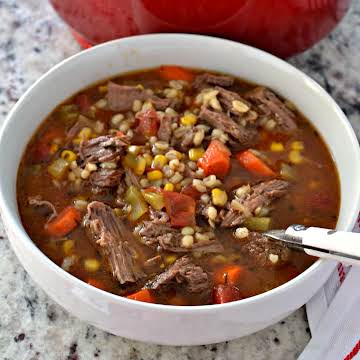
pixel 283 27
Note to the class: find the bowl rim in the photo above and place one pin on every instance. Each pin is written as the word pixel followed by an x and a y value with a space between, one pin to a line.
pixel 14 220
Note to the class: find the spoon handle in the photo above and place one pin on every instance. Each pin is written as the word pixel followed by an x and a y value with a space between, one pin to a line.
pixel 329 244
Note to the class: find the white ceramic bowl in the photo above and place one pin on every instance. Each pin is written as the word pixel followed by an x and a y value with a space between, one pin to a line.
pixel 164 324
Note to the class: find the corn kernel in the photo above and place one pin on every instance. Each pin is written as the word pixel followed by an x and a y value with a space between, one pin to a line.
pixel 169 187
pixel 134 149
pixel 276 146
pixel 68 155
pixel 137 104
pixel 218 259
pixel 274 258
pixel 154 175
pixel 219 197
pixel 85 133
pixel 85 174
pixel 148 158
pixel 297 145
pixel 117 119
pixel 54 148
pixel 295 157
pixel 102 103
pixel 187 241
pixel 241 232
pixel 240 106
pixel 103 88
pixel 189 119
pixel 80 204
pixel 170 259
pixel 196 153
pixel 140 166
pixel 92 265
pixel 68 247
pixel 212 213
pixel 159 162
pixel 187 230
pixel 118 212
pixel 173 154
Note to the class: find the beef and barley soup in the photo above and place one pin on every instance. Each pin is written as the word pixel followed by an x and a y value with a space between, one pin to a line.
pixel 157 186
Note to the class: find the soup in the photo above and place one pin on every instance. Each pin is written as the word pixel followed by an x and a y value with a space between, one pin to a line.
pixel 157 186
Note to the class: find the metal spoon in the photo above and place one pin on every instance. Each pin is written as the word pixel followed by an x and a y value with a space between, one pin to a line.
pixel 324 243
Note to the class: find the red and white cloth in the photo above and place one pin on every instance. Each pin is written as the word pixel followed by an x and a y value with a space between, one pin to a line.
pixel 334 316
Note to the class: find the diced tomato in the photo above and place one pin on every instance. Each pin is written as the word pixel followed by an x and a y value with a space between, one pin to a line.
pixel 41 149
pixel 172 72
pixel 225 293
pixel 191 191
pixel 180 208
pixel 228 275
pixel 84 103
pixel 142 295
pixel 148 123
pixel 216 159
pixel 253 164
pixel 64 223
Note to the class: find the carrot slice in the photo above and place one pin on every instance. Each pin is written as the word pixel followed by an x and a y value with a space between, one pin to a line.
pixel 225 293
pixel 142 295
pixel 178 300
pixel 216 159
pixel 96 283
pixel 229 275
pixel 65 222
pixel 253 164
pixel 172 72
pixel 119 134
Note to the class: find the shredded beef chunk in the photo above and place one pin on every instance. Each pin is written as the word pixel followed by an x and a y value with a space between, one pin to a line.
pixel 206 80
pixel 114 240
pixel 106 178
pixel 158 217
pixel 263 251
pixel 162 235
pixel 271 106
pixel 131 178
pixel 244 137
pixel 183 271
pixel 46 207
pixel 81 122
pixel 122 97
pixel 160 103
pixel 103 148
pixel 243 206
pixel 153 264
pixel 164 132
pixel 226 98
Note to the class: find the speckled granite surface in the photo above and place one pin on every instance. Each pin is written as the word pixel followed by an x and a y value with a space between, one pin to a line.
pixel 32 327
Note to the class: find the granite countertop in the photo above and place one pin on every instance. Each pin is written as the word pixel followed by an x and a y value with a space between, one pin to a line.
pixel 32 326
